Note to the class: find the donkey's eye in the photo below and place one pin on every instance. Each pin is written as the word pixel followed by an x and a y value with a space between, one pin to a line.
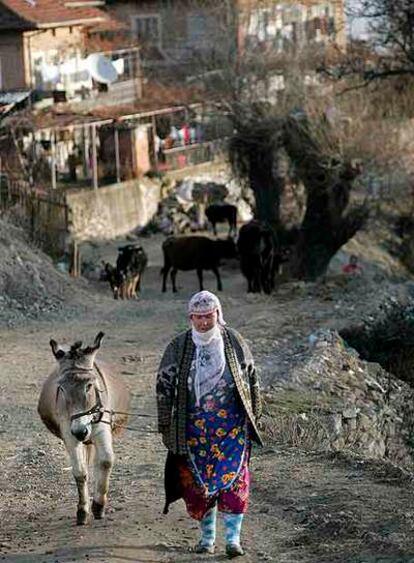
pixel 89 386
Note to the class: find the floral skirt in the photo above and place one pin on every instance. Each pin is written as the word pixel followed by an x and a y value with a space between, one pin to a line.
pixel 216 469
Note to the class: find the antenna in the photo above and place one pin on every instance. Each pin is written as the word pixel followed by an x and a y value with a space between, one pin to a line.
pixel 101 68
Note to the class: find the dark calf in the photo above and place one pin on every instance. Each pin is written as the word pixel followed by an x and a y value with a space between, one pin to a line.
pixel 259 258
pixel 222 213
pixel 195 253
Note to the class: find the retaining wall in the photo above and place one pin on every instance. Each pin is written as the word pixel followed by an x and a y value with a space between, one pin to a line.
pixel 112 211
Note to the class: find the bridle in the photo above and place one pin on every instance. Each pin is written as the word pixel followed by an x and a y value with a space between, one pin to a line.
pixel 98 410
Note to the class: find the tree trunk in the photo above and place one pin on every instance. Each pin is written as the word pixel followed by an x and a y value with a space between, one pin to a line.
pixel 267 191
pixel 254 155
pixel 327 225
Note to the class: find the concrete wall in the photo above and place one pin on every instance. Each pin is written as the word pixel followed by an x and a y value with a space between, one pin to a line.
pixel 112 211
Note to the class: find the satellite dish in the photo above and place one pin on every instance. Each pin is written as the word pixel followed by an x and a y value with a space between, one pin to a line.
pixel 119 65
pixel 101 68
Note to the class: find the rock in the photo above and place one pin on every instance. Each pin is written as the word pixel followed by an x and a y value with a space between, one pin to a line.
pixel 350 412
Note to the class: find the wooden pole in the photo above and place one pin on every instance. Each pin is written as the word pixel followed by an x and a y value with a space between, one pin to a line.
pixel 78 261
pixel 154 136
pixel 94 159
pixel 75 267
pixel 85 151
pixel 117 160
pixel 53 151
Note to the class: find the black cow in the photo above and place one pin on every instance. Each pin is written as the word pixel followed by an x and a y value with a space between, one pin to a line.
pixel 195 253
pixel 259 256
pixel 220 213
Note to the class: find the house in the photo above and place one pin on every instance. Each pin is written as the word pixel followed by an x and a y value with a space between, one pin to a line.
pixel 292 26
pixel 45 44
pixel 181 34
pixel 12 58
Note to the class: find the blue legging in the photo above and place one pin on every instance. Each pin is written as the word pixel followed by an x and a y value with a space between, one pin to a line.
pixel 232 526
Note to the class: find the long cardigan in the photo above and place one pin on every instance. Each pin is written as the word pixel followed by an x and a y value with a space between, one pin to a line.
pixel 172 386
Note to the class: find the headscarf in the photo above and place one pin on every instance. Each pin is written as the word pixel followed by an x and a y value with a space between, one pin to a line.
pixel 210 358
pixel 205 302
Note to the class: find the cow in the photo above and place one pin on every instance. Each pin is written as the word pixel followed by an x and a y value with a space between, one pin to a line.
pixel 259 256
pixel 220 213
pixel 195 253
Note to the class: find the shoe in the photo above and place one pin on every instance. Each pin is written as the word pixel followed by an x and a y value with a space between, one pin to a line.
pixel 200 548
pixel 234 550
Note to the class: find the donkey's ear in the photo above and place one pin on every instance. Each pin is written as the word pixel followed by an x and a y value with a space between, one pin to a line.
pixel 98 340
pixel 96 344
pixel 57 352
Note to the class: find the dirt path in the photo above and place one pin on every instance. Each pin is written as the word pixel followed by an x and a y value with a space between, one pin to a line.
pixel 305 507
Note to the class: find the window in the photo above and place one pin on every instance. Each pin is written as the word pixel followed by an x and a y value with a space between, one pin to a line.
pixel 200 26
pixel 148 29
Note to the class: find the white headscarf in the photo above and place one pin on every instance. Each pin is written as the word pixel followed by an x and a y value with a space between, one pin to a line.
pixel 210 358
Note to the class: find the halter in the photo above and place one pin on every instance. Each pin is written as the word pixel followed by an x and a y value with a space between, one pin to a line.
pixel 98 410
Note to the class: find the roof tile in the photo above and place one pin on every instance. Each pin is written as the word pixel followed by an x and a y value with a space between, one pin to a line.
pixel 44 12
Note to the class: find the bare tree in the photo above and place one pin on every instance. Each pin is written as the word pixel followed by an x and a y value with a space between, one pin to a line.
pixel 330 219
pixel 387 48
pixel 262 88
pixel 253 153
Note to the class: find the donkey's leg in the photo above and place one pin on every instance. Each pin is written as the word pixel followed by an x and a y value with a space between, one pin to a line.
pixel 103 467
pixel 77 456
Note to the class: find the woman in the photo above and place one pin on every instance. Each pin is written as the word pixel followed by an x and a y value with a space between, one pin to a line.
pixel 208 401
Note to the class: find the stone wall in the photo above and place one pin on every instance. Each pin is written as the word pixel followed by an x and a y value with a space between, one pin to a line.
pixel 112 211
pixel 331 399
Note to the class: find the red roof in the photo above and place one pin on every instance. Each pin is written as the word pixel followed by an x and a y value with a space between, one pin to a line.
pixel 52 13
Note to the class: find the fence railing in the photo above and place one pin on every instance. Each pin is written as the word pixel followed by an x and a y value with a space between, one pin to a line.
pixel 44 214
pixel 190 155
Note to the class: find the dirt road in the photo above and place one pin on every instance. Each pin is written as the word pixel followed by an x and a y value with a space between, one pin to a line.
pixel 305 507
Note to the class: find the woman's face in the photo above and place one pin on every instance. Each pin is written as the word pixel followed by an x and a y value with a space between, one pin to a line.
pixel 203 323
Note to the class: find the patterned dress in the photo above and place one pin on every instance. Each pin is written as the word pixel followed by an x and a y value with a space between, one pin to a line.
pixel 216 467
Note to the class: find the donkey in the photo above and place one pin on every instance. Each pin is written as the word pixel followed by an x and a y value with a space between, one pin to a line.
pixel 84 406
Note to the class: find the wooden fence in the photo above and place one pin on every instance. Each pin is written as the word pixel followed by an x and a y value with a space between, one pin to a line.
pixel 44 214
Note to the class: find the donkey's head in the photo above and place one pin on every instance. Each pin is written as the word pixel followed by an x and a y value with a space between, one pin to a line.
pixel 78 392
